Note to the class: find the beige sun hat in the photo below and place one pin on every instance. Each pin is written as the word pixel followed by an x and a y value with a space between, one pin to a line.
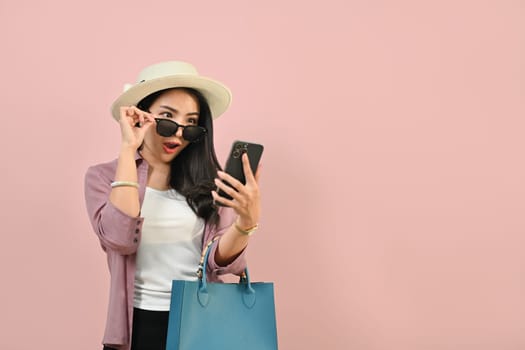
pixel 173 74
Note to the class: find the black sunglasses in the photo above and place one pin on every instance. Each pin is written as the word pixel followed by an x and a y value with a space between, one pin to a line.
pixel 191 133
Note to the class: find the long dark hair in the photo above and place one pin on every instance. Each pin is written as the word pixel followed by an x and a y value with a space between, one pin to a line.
pixel 192 171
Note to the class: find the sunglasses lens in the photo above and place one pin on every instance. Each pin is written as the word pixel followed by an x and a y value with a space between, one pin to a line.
pixel 166 127
pixel 193 133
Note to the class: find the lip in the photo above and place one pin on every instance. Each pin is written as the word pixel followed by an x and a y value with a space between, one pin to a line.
pixel 170 150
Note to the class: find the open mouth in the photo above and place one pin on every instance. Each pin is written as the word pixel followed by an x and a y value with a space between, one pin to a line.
pixel 170 147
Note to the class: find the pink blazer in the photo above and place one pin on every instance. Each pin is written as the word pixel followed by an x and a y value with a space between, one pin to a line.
pixel 120 235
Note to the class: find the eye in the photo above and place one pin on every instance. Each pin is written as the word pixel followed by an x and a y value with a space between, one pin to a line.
pixel 192 121
pixel 166 114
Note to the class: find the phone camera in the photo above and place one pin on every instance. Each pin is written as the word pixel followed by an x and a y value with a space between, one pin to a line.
pixel 239 150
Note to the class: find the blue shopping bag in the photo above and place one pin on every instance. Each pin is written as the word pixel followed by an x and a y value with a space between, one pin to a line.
pixel 221 316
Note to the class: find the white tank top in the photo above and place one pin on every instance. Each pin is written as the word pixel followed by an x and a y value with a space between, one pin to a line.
pixel 169 249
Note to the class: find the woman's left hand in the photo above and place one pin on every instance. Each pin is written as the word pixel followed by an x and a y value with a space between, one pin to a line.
pixel 246 198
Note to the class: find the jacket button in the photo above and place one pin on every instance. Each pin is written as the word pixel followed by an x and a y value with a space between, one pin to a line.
pixel 135 240
pixel 137 231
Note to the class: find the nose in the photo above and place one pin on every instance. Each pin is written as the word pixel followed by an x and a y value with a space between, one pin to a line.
pixel 178 133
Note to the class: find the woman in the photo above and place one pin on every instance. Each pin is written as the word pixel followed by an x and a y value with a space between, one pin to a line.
pixel 154 207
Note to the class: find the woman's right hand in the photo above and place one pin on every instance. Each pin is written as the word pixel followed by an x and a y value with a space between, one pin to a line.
pixel 133 126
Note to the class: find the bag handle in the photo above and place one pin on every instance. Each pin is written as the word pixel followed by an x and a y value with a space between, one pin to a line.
pixel 248 295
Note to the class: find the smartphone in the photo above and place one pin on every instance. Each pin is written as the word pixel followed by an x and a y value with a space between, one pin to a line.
pixel 234 163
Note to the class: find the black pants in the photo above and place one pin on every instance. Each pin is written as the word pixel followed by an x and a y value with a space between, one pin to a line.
pixel 150 329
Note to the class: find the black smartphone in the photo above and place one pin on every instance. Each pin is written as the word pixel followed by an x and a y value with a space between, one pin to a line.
pixel 234 163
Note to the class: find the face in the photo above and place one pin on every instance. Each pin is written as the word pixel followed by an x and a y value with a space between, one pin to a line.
pixel 179 106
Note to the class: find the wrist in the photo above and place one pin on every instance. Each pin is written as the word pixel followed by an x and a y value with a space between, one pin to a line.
pixel 247 230
pixel 126 149
pixel 245 224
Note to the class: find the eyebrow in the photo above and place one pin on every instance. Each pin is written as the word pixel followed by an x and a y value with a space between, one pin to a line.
pixel 176 111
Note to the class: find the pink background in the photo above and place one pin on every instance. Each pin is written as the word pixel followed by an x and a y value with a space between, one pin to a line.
pixel 393 176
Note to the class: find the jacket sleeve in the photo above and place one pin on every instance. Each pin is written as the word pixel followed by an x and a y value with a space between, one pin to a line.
pixel 237 266
pixel 115 229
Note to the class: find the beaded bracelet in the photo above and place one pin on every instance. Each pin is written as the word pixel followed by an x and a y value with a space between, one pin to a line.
pixel 124 183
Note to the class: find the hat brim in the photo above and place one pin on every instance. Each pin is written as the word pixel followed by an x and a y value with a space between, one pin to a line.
pixel 217 95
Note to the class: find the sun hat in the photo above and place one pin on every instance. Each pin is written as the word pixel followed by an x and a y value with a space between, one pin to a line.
pixel 172 74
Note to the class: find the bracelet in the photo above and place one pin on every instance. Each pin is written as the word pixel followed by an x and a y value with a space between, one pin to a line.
pixel 124 183
pixel 247 232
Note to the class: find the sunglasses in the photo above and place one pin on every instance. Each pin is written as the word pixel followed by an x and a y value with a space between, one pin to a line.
pixel 191 133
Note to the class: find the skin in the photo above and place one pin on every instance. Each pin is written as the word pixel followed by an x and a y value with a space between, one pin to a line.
pixel 183 108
